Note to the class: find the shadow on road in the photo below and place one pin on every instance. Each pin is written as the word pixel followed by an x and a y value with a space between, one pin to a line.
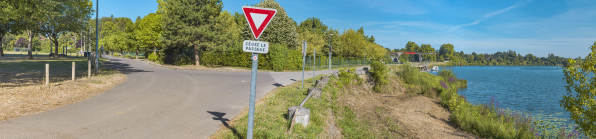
pixel 124 68
pixel 224 121
pixel 278 85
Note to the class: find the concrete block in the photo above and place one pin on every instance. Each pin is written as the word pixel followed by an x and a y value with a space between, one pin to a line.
pixel 321 83
pixel 316 93
pixel 302 116
pixel 325 79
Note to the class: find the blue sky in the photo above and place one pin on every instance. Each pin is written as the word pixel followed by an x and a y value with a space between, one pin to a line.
pixel 564 27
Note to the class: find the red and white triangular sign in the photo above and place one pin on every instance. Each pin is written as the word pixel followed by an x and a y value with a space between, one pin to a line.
pixel 258 18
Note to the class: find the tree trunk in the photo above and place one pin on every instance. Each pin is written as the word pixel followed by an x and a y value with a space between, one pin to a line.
pixel 56 46
pixel 30 36
pixel 1 49
pixel 196 55
pixel 137 53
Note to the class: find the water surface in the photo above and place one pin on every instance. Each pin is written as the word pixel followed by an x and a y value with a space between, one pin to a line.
pixel 535 89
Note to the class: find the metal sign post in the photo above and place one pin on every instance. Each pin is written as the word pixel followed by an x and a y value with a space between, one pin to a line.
pixel 258 19
pixel 303 60
pixel 314 65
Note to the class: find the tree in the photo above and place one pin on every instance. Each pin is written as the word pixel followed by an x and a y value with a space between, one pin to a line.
pixel 313 25
pixel 336 43
pixel 4 28
pixel 30 16
pixel 426 48
pixel 313 41
pixel 191 23
pixel 281 29
pixel 353 42
pixel 131 30
pixel 74 13
pixel 581 93
pixel 446 50
pixel 412 47
pixel 230 34
pixel 149 31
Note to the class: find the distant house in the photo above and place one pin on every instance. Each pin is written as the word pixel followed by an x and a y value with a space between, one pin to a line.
pixel 447 59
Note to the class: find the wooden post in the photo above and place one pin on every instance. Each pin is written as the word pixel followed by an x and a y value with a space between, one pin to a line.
pixel 73 71
pixel 48 75
pixel 89 68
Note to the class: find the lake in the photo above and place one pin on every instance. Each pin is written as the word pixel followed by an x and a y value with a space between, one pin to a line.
pixel 534 89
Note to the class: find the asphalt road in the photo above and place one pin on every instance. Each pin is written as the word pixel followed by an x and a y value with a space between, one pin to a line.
pixel 153 102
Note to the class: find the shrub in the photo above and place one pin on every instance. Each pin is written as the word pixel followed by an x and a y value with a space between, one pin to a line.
pixel 447 74
pixel 153 57
pixel 379 75
pixel 408 73
pixel 183 59
pixel 279 58
pixel 347 76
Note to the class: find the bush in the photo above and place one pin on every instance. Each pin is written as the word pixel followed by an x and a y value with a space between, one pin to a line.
pixel 408 73
pixel 348 76
pixel 379 75
pixel 447 74
pixel 153 57
pixel 183 59
pixel 279 58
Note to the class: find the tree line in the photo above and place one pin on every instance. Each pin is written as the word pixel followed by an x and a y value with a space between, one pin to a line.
pixel 447 52
pixel 191 31
pixel 38 20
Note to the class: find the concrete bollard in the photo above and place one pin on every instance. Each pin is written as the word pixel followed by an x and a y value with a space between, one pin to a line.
pixel 48 75
pixel 73 71
pixel 302 116
pixel 316 93
pixel 89 69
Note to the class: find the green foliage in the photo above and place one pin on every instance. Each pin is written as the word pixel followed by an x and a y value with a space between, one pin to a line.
pixel 580 100
pixel 354 44
pixel 281 29
pixel 191 23
pixel 182 59
pixel 348 76
pixel 279 58
pixel 313 24
pixel 447 73
pixel 408 73
pixel 153 57
pixel 379 75
pixel 148 31
pixel 446 50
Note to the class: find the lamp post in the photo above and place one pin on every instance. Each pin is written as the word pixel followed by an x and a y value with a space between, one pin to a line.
pixel 330 54
pixel 96 37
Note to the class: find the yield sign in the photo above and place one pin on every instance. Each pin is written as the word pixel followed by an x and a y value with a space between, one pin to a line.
pixel 258 18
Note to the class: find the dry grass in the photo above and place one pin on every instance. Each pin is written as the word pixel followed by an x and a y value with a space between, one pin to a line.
pixel 27 100
pixel 397 114
pixel 23 90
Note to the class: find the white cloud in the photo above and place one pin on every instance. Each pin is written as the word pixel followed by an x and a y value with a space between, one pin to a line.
pixel 488 16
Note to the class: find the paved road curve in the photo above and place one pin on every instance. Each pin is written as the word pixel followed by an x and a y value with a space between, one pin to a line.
pixel 153 103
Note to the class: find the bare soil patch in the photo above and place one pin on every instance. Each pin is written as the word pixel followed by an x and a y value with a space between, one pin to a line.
pixel 417 116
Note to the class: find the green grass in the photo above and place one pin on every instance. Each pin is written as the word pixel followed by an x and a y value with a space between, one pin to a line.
pixel 271 115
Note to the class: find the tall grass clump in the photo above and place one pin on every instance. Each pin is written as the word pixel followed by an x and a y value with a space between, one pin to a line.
pixel 408 73
pixel 447 74
pixel 379 75
pixel 491 121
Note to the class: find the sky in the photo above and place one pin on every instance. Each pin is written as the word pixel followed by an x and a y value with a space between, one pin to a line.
pixel 566 28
